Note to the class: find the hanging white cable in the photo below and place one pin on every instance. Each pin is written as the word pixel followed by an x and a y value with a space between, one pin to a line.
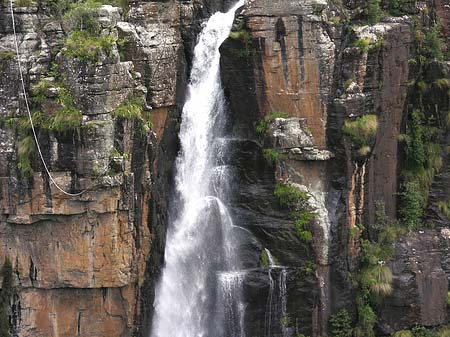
pixel 29 112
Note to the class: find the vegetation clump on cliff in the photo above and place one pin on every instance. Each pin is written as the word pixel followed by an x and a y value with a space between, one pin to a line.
pixel 243 37
pixel 426 118
pixel 362 131
pixel 375 279
pixel 290 197
pixel 132 108
pixel 85 41
pixel 263 126
pixel 341 324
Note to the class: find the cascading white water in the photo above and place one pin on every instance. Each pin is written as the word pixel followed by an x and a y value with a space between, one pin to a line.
pixel 276 307
pixel 188 300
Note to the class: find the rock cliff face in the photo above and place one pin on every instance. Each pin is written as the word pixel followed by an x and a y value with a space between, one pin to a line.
pixel 294 73
pixel 80 263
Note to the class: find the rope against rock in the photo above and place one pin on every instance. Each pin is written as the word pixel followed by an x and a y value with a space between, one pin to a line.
pixel 29 112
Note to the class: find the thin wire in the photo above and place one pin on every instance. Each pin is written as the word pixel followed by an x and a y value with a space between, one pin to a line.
pixel 29 112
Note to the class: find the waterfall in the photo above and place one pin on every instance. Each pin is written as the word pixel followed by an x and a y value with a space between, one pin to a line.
pixel 199 286
pixel 276 307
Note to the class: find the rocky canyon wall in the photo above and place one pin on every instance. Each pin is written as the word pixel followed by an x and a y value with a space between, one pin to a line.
pixel 294 73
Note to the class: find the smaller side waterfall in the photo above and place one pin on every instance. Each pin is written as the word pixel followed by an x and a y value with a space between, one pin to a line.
pixel 276 318
pixel 233 311
pixel 283 298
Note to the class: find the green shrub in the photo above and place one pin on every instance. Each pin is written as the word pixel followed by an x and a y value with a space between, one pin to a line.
pixel 443 331
pixel 341 324
pixel 364 151
pixel 305 236
pixel 263 126
pixel 303 219
pixel 378 279
pixel 444 207
pixel 414 141
pixel 348 83
pixel 39 90
pixel 88 48
pixel 400 7
pixel 25 151
pixel 362 44
pixel 443 83
pixel 335 20
pixel 289 196
pixel 372 11
pixel 82 16
pixel 68 117
pixel 412 203
pixel 309 268
pixel 242 35
pixel 420 331
pixel 433 43
pixel 366 322
pixel 362 130
pixel 131 108
pixel 271 155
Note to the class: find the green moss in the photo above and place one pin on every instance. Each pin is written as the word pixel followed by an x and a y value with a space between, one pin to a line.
pixel 362 130
pixel 341 324
pixel 263 126
pixel 289 196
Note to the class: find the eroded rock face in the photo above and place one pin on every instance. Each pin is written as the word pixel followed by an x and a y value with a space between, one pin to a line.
pixel 287 68
pixel 421 274
pixel 81 261
pixel 87 265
